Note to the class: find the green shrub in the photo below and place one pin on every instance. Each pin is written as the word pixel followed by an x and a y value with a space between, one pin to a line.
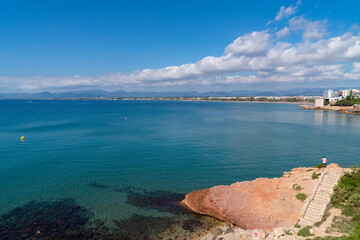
pixel 347 102
pixel 347 211
pixel 347 197
pixel 318 166
pixel 353 201
pixel 347 194
pixel 301 196
pixel 328 238
pixel 351 211
pixel 296 187
pixel 340 196
pixel 317 224
pixel 288 232
pixel 297 226
pixel 355 235
pixel 314 176
pixel 305 232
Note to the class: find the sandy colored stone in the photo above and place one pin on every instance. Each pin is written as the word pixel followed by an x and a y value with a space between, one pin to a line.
pixel 262 203
pixel 339 109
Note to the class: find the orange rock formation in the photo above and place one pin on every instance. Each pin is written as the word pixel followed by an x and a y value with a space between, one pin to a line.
pixel 262 203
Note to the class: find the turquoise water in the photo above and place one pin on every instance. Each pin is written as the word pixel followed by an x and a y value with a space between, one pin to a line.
pixel 86 149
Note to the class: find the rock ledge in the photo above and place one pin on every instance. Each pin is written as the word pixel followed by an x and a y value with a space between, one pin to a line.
pixel 259 204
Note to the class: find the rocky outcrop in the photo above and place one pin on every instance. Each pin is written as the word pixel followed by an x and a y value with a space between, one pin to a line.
pixel 340 109
pixel 326 107
pixel 262 203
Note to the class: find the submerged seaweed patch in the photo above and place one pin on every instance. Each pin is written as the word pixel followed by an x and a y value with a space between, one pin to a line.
pixel 61 219
pixel 143 227
pixel 162 201
pixel 97 185
pixel 159 200
pixel 64 219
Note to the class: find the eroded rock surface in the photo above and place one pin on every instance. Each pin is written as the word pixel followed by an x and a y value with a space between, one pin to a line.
pixel 262 203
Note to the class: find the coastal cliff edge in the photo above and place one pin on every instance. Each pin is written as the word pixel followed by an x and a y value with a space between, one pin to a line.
pixel 259 204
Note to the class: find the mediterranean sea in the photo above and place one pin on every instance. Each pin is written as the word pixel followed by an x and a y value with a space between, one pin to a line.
pixel 123 159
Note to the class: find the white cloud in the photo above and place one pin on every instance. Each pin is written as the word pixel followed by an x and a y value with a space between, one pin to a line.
pixel 312 30
pixel 256 43
pixel 283 33
pixel 256 57
pixel 355 27
pixel 356 67
pixel 267 62
pixel 286 12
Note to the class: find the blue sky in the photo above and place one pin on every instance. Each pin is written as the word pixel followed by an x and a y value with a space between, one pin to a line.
pixel 208 45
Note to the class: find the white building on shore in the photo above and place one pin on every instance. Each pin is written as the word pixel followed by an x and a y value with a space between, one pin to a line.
pixel 328 93
pixel 333 96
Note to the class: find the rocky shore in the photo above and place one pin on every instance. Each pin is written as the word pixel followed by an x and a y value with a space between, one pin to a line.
pixel 263 208
pixel 339 109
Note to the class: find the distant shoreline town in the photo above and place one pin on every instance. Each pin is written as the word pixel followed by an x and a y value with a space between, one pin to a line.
pixel 343 101
pixel 265 99
pixel 347 97
pixel 295 99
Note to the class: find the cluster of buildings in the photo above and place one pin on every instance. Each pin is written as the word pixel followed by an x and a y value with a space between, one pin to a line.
pixel 333 96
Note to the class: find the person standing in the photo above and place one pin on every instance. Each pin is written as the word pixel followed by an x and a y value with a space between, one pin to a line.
pixel 324 161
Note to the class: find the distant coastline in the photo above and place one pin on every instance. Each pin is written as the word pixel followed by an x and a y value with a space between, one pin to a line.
pixel 269 99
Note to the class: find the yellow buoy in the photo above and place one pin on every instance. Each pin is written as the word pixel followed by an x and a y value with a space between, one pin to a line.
pixel 22 138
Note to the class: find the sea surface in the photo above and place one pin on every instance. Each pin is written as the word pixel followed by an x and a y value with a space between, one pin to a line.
pixel 120 159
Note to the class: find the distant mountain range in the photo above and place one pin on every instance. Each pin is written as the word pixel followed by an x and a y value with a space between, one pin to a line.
pixel 124 94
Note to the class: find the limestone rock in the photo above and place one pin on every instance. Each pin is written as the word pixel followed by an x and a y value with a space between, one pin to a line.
pixel 262 203
pixel 279 232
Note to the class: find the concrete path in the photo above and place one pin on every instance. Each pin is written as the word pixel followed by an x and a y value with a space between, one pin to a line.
pixel 316 205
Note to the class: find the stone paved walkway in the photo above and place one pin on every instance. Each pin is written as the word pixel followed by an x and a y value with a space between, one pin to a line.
pixel 316 205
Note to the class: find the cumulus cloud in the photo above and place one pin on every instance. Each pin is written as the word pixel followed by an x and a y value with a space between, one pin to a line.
pixel 255 43
pixel 283 33
pixel 312 30
pixel 256 57
pixel 356 67
pixel 291 74
pixel 278 62
pixel 282 58
pixel 286 12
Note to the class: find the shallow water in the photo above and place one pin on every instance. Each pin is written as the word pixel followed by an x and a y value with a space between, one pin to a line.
pixel 113 157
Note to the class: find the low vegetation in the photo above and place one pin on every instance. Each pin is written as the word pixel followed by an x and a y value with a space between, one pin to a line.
pixel 301 196
pixel 349 101
pixel 342 224
pixel 326 215
pixel 347 194
pixel 347 197
pixel 319 166
pixel 305 232
pixel 328 238
pixel 314 175
pixel 296 187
